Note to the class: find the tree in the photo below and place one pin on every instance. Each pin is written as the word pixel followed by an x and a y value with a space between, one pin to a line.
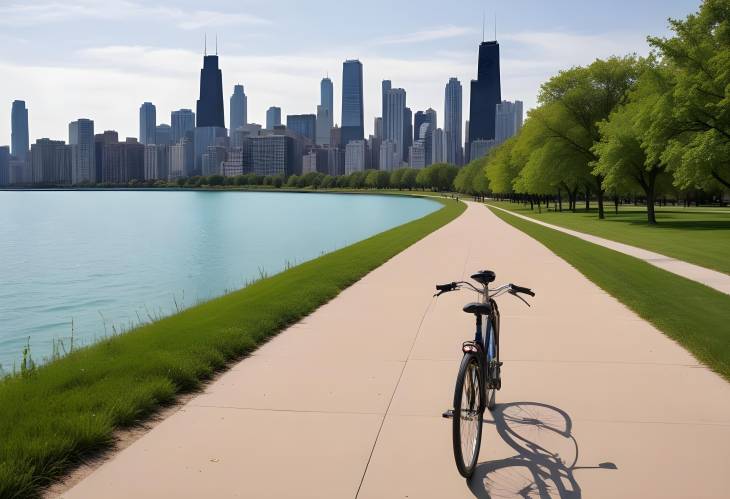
pixel 442 176
pixel 371 179
pixel 502 168
pixel 395 178
pixel 216 180
pixel 576 100
pixel 696 109
pixel 622 150
pixel 424 178
pixel 408 180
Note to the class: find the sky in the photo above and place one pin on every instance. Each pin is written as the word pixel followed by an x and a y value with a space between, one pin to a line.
pixel 71 59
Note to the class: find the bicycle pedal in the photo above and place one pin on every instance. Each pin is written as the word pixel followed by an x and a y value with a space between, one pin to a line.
pixel 448 414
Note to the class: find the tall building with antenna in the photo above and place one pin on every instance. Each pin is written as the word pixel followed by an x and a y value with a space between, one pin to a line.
pixel 210 104
pixel 485 93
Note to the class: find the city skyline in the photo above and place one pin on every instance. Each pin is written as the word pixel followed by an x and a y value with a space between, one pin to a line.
pixel 421 55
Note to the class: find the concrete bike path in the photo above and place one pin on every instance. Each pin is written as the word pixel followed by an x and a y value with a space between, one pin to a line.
pixel 712 278
pixel 347 403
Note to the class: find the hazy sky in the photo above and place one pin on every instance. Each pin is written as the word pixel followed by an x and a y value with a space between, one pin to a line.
pixel 101 59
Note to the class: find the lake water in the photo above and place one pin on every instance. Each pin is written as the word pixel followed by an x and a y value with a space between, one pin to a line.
pixel 108 259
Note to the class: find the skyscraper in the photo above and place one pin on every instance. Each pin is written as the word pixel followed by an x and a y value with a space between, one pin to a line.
pixel 147 123
pixel 4 166
pixel 452 121
pixel 353 127
pixel 163 135
pixel 182 122
pixel 81 140
pixel 508 120
pixel 273 117
pixel 378 127
pixel 393 114
pixel 427 116
pixel 51 160
pixel 325 112
pixel 239 108
pixel 210 104
pixel 355 156
pixel 385 86
pixel 407 132
pixel 19 138
pixel 485 93
pixel 303 124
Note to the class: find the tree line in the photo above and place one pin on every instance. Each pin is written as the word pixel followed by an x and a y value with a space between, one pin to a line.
pixel 625 126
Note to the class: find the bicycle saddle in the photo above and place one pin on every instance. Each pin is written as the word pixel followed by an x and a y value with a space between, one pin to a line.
pixel 484 276
pixel 478 308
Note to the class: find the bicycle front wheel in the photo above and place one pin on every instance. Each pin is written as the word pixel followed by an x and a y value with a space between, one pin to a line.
pixel 467 420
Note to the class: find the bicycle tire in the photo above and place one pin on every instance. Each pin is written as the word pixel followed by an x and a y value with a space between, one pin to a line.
pixel 467 416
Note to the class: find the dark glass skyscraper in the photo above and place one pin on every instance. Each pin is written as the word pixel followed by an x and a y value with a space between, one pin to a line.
pixel 485 93
pixel 303 124
pixel 19 139
pixel 353 125
pixel 210 104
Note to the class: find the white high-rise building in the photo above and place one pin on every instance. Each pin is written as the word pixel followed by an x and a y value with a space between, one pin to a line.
pixel 354 156
pixel 389 160
pixel 438 146
pixel 417 155
pixel 324 125
pixel 325 112
pixel 83 159
pixel 394 109
pixel 156 162
pixel 508 120
pixel 182 122
pixel 452 122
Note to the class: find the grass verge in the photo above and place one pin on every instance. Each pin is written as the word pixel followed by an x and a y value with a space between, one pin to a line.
pixel 692 314
pixel 65 411
pixel 696 235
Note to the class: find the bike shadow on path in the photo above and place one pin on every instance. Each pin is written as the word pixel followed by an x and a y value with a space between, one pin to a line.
pixel 547 453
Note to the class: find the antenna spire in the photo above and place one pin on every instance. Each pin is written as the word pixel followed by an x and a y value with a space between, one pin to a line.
pixel 205 44
pixel 495 26
pixel 216 43
pixel 484 15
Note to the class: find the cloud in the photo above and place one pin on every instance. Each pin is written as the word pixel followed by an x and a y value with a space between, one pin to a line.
pixel 428 35
pixel 28 14
pixel 109 83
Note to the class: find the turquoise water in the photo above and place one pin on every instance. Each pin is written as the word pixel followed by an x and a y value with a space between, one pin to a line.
pixel 108 260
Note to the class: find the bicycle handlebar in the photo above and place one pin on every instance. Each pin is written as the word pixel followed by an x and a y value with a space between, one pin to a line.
pixel 519 289
pixel 510 288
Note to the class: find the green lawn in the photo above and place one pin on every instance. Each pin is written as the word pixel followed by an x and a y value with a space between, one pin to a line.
pixel 696 235
pixel 67 410
pixel 693 314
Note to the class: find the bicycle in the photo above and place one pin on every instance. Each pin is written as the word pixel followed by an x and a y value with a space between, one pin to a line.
pixel 479 376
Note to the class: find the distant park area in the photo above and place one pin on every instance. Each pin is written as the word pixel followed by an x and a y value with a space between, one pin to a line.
pixel 699 235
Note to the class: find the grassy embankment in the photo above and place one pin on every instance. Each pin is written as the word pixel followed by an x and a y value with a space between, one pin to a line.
pixel 692 314
pixel 60 413
pixel 696 235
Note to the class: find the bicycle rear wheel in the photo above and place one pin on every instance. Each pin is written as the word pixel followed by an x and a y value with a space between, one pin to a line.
pixel 467 420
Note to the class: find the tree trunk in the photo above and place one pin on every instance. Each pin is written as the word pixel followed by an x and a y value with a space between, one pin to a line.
pixel 599 195
pixel 560 201
pixel 650 194
pixel 588 198
pixel 615 204
pixel 717 177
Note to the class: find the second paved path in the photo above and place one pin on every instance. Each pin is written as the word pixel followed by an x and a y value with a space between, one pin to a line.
pixel 595 401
